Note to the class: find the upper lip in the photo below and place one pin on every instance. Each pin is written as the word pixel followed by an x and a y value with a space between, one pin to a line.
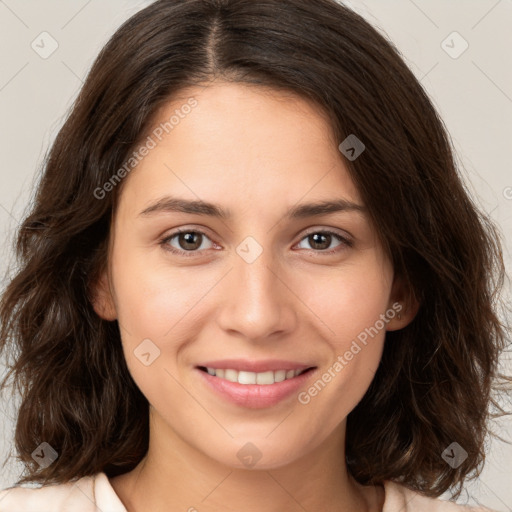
pixel 255 366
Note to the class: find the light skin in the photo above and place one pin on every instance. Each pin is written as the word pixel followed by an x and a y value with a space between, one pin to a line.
pixel 257 153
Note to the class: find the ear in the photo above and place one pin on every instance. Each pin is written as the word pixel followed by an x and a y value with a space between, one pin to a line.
pixel 403 306
pixel 102 298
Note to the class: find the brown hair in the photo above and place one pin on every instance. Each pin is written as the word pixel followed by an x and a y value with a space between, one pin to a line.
pixel 435 381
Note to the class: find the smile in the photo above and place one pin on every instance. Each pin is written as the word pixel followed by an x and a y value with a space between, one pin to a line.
pixel 245 377
pixel 254 390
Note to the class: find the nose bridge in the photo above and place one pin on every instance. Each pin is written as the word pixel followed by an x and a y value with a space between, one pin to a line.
pixel 256 277
pixel 253 268
pixel 257 301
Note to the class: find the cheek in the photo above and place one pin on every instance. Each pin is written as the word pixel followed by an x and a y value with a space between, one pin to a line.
pixel 155 307
pixel 350 306
pixel 159 311
pixel 348 301
pixel 153 299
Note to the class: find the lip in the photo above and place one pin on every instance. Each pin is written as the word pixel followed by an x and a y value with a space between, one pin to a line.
pixel 246 365
pixel 255 396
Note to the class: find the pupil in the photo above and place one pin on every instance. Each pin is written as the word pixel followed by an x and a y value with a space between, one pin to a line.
pixel 316 241
pixel 189 239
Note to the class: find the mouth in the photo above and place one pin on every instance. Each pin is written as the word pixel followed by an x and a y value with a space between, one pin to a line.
pixel 264 378
pixel 255 390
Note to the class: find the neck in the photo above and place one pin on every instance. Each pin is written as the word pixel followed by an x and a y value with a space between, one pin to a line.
pixel 175 476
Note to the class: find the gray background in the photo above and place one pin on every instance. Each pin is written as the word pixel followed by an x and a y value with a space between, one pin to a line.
pixel 472 90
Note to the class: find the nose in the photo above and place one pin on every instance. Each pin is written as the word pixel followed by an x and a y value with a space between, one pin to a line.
pixel 258 302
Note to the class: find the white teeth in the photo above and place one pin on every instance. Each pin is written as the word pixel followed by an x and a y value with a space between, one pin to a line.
pixel 243 377
pixel 230 375
pixel 279 376
pixel 246 377
pixel 265 378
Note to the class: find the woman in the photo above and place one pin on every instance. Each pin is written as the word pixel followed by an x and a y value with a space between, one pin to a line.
pixel 252 278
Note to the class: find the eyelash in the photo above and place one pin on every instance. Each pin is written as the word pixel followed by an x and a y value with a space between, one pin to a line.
pixel 165 245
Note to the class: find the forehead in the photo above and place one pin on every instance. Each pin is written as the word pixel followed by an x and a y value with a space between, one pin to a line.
pixel 240 145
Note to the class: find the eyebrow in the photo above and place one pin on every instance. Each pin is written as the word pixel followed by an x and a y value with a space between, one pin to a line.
pixel 170 204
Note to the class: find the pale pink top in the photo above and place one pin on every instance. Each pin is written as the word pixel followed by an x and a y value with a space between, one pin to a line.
pixel 94 494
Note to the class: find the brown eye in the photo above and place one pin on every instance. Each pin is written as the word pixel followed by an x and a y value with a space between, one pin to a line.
pixel 321 241
pixel 189 242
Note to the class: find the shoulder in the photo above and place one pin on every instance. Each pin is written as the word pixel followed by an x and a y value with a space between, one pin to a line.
pixel 84 495
pixel 49 498
pixel 398 497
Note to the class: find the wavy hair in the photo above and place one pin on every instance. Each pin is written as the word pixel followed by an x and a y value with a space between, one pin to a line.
pixel 437 376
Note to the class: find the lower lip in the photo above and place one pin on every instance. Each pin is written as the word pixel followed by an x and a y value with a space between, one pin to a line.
pixel 255 396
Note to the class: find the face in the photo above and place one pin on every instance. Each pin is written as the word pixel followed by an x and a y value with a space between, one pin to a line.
pixel 269 285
